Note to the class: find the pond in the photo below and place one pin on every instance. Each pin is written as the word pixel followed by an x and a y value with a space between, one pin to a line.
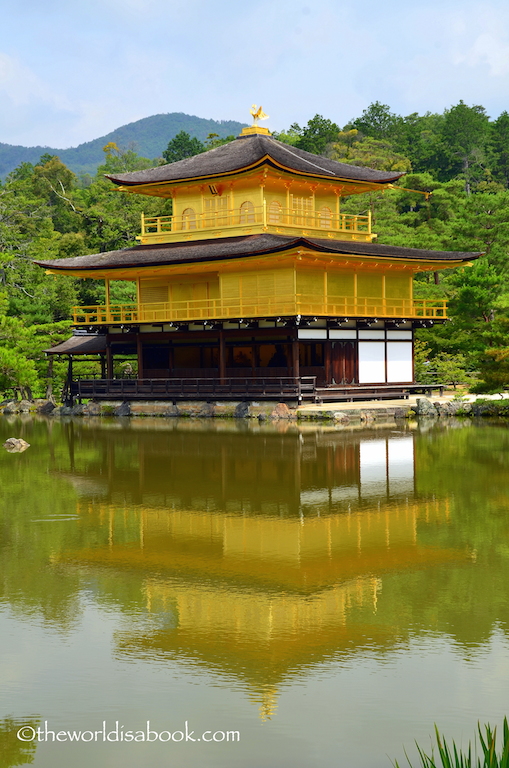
pixel 203 594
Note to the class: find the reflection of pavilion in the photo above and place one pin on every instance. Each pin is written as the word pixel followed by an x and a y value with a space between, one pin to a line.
pixel 257 566
pixel 293 473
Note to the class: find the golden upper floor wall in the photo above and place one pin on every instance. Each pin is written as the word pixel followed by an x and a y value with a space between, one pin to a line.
pixel 313 284
pixel 255 203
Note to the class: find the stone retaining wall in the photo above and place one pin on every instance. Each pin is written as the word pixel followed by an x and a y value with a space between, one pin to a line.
pixel 188 409
pixel 360 415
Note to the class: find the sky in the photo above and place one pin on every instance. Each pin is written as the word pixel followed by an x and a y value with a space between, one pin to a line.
pixel 73 70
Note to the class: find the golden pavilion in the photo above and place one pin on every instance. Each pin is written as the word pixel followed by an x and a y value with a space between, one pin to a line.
pixel 257 285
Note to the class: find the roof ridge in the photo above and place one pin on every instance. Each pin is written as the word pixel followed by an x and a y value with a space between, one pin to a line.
pixel 304 159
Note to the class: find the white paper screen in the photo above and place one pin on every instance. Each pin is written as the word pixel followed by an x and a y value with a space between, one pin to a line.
pixel 399 361
pixel 371 362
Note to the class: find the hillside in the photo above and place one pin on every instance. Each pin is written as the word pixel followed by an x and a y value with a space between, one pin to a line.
pixel 150 136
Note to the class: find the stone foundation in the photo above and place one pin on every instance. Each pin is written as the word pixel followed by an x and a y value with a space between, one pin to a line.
pixel 185 409
pixel 363 414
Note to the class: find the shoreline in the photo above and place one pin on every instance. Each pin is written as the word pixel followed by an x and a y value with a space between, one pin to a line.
pixel 340 414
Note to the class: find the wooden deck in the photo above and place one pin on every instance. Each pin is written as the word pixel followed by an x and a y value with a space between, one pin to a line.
pixel 353 392
pixel 237 388
pixel 281 388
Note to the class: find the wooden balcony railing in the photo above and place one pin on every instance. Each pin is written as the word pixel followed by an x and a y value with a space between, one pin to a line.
pixel 260 306
pixel 322 224
pixel 237 388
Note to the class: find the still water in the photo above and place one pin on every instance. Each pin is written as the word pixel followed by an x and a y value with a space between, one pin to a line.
pixel 323 596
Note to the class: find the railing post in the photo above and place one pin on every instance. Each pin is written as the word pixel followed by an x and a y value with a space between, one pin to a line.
pixel 264 212
pixel 369 221
pixel 142 224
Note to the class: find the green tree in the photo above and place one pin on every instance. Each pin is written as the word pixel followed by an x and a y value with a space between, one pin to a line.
pixel 317 135
pixel 465 132
pixel 477 290
pixel 494 370
pixel 419 137
pixel 213 140
pixel 500 143
pixel 368 152
pixel 120 160
pixel 291 136
pixel 482 224
pixel 377 121
pixel 182 146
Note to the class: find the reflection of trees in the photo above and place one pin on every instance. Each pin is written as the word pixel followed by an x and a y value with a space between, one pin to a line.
pixel 36 523
pixel 12 750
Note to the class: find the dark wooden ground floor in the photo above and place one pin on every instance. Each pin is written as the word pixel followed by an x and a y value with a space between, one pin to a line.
pixel 363 357
pixel 241 362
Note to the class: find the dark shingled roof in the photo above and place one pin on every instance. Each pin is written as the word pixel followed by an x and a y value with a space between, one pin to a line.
pixel 91 344
pixel 247 151
pixel 238 247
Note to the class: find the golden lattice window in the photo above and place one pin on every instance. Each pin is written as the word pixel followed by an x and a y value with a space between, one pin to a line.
pixel 275 210
pixel 188 219
pixel 325 217
pixel 215 212
pixel 247 213
pixel 302 209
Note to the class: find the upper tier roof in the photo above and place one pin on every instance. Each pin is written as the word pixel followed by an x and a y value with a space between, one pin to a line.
pixel 241 247
pixel 250 152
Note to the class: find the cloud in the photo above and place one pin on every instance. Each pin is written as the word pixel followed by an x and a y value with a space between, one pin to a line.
pixel 18 83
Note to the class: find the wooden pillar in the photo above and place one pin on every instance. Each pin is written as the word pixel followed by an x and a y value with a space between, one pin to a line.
pixel 67 392
pixel 222 356
pixel 109 360
pixel 139 351
pixel 328 361
pixel 49 380
pixel 295 358
pixel 103 367
pixel 69 375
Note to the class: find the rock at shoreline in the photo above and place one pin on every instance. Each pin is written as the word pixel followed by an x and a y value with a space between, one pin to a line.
pixel 425 407
pixel 46 407
pixel 281 411
pixel 123 410
pixel 16 445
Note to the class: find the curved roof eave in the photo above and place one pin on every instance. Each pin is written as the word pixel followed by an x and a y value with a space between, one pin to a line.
pixel 251 152
pixel 175 254
pixel 265 161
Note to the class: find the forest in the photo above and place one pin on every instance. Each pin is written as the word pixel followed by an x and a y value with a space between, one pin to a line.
pixel 460 157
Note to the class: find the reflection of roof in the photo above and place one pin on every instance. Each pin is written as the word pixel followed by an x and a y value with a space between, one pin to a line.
pixel 273 662
pixel 243 246
pixel 302 556
pixel 80 345
pixel 311 575
pixel 249 152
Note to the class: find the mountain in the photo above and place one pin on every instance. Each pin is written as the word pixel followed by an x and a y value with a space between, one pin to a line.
pixel 148 137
